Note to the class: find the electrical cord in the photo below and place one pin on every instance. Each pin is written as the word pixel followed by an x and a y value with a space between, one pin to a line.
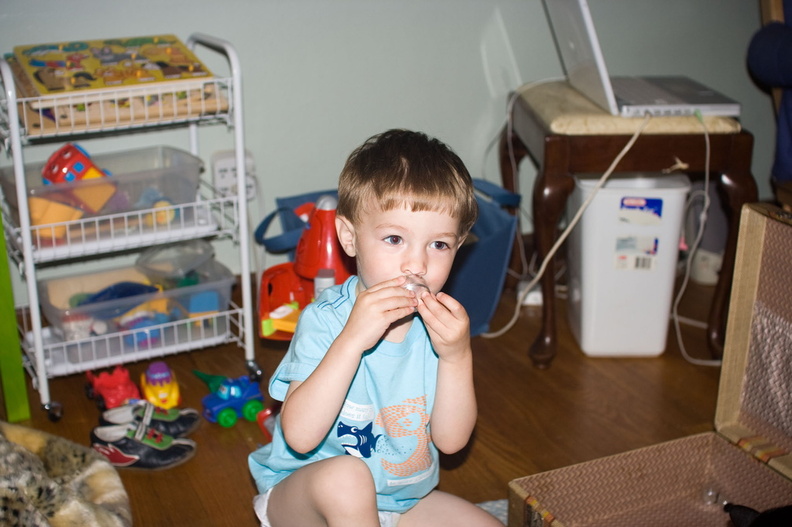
pixel 526 267
pixel 565 234
pixel 676 319
pixel 507 125
pixel 692 322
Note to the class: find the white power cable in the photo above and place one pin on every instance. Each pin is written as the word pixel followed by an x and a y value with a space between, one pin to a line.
pixel 508 126
pixel 565 234
pixel 676 319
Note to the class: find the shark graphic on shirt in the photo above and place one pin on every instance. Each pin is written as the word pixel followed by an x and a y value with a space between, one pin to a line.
pixel 404 447
pixel 358 442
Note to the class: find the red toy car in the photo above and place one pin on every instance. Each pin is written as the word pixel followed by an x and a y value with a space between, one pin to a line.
pixel 111 389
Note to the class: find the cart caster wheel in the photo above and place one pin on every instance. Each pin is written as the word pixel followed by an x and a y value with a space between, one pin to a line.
pixel 54 411
pixel 254 371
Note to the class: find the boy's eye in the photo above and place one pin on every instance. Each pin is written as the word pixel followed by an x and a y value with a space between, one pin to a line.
pixel 393 239
pixel 440 245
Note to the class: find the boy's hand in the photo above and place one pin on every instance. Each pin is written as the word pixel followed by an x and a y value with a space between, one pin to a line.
pixel 375 309
pixel 448 324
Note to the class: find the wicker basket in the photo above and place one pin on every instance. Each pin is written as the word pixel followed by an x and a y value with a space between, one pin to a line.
pixel 746 460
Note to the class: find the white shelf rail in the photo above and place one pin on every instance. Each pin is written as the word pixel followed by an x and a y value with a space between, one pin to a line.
pixel 24 119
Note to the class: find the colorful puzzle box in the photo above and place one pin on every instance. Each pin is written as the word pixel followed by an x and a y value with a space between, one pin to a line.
pixel 94 85
pixel 110 63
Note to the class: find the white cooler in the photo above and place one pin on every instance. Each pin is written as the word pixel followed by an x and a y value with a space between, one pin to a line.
pixel 622 259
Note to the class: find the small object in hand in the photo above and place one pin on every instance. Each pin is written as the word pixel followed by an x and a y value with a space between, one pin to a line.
pixel 416 284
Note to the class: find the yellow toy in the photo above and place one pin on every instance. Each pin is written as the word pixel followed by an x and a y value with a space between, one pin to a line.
pixel 159 386
pixel 282 319
pixel 45 212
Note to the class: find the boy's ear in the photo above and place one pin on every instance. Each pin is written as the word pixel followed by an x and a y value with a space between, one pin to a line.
pixel 462 241
pixel 346 235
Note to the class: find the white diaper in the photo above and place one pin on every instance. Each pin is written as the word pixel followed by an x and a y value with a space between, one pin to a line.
pixel 260 506
pixel 386 519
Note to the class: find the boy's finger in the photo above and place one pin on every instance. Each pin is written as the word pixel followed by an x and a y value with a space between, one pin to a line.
pixel 393 282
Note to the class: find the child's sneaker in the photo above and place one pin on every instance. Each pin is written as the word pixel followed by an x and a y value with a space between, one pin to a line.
pixel 138 446
pixel 174 422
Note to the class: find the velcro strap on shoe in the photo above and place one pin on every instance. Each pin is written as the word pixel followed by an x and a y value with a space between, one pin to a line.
pixel 140 430
pixel 148 413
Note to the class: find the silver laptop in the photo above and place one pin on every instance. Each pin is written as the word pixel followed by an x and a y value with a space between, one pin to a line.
pixel 578 46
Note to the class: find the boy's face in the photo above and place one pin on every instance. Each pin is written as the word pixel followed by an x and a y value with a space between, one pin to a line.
pixel 387 244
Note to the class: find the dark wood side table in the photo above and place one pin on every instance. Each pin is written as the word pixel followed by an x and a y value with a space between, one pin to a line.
pixel 565 134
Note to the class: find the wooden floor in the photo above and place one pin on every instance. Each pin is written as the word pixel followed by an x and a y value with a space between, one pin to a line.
pixel 530 420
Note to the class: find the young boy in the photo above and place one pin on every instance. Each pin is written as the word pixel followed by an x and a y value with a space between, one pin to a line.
pixel 378 378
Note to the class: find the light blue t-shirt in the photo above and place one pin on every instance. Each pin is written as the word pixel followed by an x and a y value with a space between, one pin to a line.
pixel 385 418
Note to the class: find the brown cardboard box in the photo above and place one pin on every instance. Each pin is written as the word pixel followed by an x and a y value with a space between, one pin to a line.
pixel 746 460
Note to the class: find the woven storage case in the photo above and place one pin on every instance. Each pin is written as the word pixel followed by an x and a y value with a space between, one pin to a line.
pixel 745 461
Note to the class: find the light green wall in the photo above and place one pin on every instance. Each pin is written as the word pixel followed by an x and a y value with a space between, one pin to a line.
pixel 322 75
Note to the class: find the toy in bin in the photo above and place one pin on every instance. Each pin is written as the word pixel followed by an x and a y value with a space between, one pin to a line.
pixel 141 320
pixel 68 164
pixel 230 399
pixel 319 261
pixel 175 265
pixel 182 265
pixel 152 198
pixel 71 164
pixel 48 212
pixel 111 389
pixel 159 386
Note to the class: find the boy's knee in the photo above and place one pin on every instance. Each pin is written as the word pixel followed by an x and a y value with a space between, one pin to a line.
pixel 349 471
pixel 346 478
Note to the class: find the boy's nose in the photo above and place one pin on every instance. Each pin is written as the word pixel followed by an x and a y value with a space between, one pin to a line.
pixel 415 264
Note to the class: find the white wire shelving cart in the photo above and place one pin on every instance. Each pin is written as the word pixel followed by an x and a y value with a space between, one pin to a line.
pixel 27 120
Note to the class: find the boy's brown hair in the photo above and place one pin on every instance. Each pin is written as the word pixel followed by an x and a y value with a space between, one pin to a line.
pixel 400 168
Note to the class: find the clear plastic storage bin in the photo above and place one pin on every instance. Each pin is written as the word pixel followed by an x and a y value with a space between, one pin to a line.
pixel 95 305
pixel 177 264
pixel 155 180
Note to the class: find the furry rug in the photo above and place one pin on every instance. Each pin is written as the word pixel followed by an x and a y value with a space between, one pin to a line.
pixel 48 481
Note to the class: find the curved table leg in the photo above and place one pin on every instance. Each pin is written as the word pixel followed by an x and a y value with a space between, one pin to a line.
pixel 551 191
pixel 739 188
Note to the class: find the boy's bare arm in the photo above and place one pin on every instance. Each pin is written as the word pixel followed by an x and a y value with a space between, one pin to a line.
pixel 310 407
pixel 455 411
pixel 454 414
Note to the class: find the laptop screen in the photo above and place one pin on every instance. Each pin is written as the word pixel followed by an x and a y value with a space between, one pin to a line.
pixel 579 49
